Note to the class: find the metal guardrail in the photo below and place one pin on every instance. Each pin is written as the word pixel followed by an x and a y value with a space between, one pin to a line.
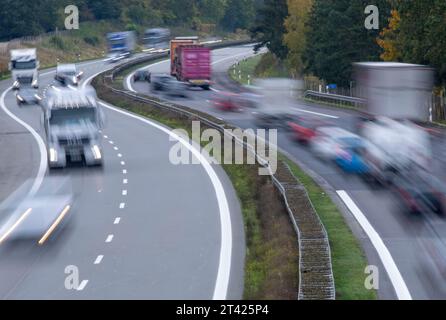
pixel 334 97
pixel 324 288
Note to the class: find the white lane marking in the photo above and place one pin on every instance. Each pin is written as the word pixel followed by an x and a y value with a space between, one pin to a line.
pixel 111 142
pixel 125 181
pixel 316 113
pixel 124 171
pixel 117 220
pixel 116 148
pixel 224 265
pixel 130 76
pixel 122 163
pixel 122 205
pixel 42 148
pixel 124 192
pixel 389 264
pixel 119 155
pixel 106 137
pixel 99 259
pixel 225 256
pixel 82 285
pixel 109 238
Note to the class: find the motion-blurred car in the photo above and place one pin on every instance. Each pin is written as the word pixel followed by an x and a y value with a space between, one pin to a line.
pixel 169 85
pixel 67 74
pixel 304 129
pixel 142 75
pixel 26 95
pixel 420 191
pixel 342 147
pixel 394 146
pixel 249 100
pixel 227 101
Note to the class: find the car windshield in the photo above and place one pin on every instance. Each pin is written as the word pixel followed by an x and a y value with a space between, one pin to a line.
pixel 21 65
pixel 69 117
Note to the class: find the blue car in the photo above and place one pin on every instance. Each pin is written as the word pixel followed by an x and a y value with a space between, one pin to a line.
pixel 349 155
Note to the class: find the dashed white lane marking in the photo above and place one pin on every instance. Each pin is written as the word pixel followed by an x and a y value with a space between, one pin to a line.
pixel 105 137
pixel 389 264
pixel 82 285
pixel 109 238
pixel 122 205
pixel 116 148
pixel 117 220
pixel 119 155
pixel 124 171
pixel 125 181
pixel 225 255
pixel 122 163
pixel 111 142
pixel 124 192
pixel 98 259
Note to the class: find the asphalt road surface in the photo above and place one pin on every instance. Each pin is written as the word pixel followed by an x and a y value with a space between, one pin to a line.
pixel 409 251
pixel 138 228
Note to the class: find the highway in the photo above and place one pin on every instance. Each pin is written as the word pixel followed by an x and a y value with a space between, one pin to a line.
pixel 408 250
pixel 138 228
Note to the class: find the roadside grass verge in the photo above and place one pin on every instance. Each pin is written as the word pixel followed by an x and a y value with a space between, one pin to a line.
pixel 348 258
pixel 271 262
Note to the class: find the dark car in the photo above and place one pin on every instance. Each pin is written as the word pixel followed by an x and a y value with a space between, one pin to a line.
pixel 142 75
pixel 420 191
pixel 169 85
pixel 67 74
pixel 26 95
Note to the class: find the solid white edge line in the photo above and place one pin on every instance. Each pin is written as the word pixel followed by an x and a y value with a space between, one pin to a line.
pixel 225 257
pixel 42 148
pixel 395 276
pixel 224 268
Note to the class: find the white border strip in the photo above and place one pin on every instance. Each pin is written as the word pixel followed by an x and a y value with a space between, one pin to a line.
pixel 42 148
pixel 389 264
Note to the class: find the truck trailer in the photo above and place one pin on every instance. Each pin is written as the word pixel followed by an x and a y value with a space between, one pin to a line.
pixel 121 44
pixel 192 64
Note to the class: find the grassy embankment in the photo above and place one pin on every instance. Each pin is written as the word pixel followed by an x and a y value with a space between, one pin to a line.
pixel 348 258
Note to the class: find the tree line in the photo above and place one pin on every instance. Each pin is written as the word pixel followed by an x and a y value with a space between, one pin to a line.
pixel 324 37
pixel 25 18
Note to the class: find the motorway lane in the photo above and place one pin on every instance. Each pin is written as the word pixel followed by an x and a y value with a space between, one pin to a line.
pixel 417 244
pixel 139 227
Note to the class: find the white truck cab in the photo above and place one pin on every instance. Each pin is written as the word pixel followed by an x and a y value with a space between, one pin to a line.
pixel 24 68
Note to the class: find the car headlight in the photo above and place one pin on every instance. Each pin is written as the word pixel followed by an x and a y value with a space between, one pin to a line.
pixel 20 98
pixel 74 80
pixel 35 83
pixel 53 155
pixel 96 152
pixel 16 84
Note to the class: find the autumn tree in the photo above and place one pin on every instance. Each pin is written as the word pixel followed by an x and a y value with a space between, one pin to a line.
pixel 296 30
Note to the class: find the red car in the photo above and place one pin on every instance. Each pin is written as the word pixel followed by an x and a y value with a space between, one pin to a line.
pixel 304 129
pixel 227 101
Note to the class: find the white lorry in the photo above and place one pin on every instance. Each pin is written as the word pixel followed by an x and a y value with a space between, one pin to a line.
pixel 24 68
pixel 397 97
